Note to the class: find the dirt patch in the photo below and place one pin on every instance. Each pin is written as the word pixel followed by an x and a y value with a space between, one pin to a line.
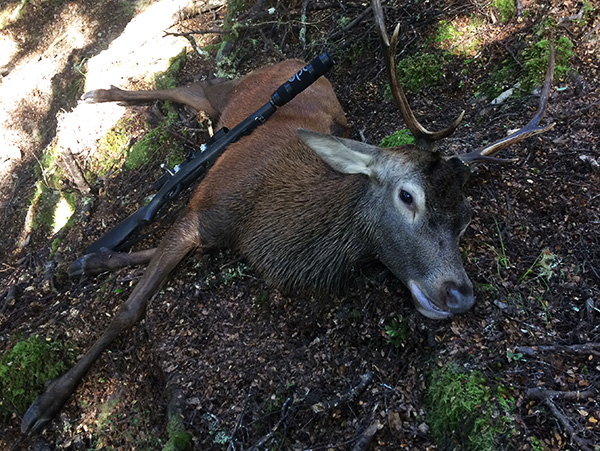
pixel 252 363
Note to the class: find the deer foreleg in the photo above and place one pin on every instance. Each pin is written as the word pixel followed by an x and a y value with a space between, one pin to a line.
pixel 180 239
pixel 107 260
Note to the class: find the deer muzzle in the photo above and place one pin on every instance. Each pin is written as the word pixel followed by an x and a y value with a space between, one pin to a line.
pixel 454 300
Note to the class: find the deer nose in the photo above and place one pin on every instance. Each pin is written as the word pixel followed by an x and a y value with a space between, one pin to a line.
pixel 459 299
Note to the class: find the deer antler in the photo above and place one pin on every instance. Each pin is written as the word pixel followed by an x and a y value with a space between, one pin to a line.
pixel 531 129
pixel 418 131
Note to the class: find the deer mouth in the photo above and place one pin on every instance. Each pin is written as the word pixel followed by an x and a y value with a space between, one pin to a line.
pixel 425 306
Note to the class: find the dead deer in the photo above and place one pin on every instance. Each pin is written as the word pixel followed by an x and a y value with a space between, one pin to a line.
pixel 303 204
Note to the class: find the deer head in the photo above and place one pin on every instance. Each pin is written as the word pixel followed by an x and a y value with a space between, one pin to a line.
pixel 427 212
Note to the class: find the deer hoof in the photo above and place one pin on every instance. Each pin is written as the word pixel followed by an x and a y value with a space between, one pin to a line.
pixel 90 264
pixel 38 415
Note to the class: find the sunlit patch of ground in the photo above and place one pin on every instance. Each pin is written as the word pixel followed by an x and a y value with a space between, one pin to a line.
pixel 28 86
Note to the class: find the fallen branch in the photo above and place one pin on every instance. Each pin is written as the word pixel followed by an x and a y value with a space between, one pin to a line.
pixel 70 166
pixel 548 397
pixel 333 403
pixel 189 36
pixel 285 412
pixel 541 394
pixel 11 297
pixel 586 348
pixel 358 19
pixel 366 438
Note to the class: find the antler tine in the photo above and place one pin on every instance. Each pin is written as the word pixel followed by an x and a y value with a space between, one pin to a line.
pixel 531 129
pixel 419 132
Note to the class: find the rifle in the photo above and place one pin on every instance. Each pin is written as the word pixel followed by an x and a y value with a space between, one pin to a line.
pixel 196 164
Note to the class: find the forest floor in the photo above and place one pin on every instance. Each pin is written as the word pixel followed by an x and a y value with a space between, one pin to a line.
pixel 253 366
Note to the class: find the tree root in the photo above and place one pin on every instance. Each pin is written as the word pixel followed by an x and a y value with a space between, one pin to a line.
pixel 548 397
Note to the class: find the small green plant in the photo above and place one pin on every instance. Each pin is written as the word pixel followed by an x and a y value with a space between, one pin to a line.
pixel 501 258
pixel 25 369
pixel 462 409
pixel 395 333
pixel 544 265
pixel 418 71
pixel 506 9
pixel 231 274
pixel 398 138
pixel 214 429
pixel 514 356
pixel 536 444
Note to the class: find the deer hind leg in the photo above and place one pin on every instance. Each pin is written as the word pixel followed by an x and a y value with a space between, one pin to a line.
pixel 181 238
pixel 209 96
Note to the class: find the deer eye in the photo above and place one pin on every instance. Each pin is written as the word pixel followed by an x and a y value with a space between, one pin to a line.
pixel 406 197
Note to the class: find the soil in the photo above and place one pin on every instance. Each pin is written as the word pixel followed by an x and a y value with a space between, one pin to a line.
pixel 249 365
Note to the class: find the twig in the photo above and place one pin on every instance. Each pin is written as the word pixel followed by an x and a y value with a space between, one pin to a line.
pixel 352 24
pixel 72 168
pixel 548 396
pixel 586 348
pixel 284 415
pixel 238 423
pixel 365 380
pixel 589 33
pixel 302 36
pixel 189 36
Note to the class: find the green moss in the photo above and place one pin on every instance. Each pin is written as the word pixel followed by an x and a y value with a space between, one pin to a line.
pixel 398 138
pixel 506 9
pixel 112 150
pixel 179 438
pixel 458 40
pixel 445 31
pixel 535 65
pixel 25 369
pixel 43 205
pixel 418 71
pixel 168 78
pixel 145 149
pixel 51 205
pixel 48 168
pixel 462 409
pixel 536 61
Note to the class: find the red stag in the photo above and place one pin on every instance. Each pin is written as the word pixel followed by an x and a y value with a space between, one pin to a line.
pixel 304 204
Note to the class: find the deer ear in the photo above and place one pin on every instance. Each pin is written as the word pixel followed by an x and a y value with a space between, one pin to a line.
pixel 336 153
